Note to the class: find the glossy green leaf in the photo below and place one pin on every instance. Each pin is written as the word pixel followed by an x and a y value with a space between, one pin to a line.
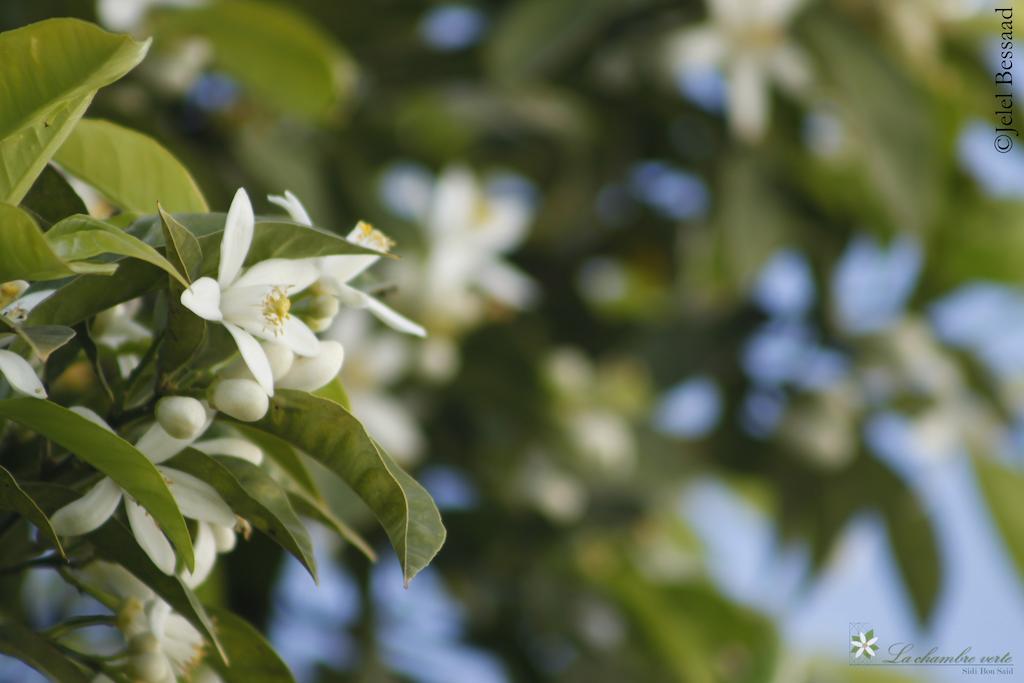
pixel 1002 487
pixel 251 658
pixel 13 497
pixel 51 198
pixel 81 237
pixel 285 457
pixel 114 542
pixel 334 438
pixel 134 171
pixel 252 494
pixel 309 506
pixel 26 255
pixel 279 55
pixel 111 455
pixel 38 113
pixel 87 295
pixel 42 340
pixel 39 652
pixel 186 332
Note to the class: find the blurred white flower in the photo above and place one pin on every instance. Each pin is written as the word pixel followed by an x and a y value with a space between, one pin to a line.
pixel 253 303
pixel 336 272
pixel 469 230
pixel 162 644
pixel 128 15
pixel 195 498
pixel 748 40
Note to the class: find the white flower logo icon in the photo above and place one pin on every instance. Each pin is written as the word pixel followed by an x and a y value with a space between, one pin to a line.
pixel 864 644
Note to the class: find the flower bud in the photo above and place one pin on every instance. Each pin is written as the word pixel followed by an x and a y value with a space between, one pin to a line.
pixel 182 417
pixel 309 374
pixel 224 537
pixel 9 291
pixel 151 667
pixel 280 357
pixel 242 399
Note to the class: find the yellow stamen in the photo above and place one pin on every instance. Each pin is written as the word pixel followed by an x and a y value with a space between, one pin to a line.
pixel 276 309
pixel 365 235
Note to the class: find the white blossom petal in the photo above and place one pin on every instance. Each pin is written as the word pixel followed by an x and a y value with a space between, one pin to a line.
pixel 197 499
pixel 89 512
pixel 299 338
pixel 698 48
pixel 157 445
pixel 393 318
pixel 309 374
pixel 254 356
pixel 748 99
pixel 234 245
pixel 345 267
pixel 231 446
pixel 292 274
pixel 290 203
pixel 455 197
pixel 20 374
pixel 203 299
pixel 149 537
pixel 205 548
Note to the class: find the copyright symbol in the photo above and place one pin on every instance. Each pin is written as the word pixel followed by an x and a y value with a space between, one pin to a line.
pixel 1003 143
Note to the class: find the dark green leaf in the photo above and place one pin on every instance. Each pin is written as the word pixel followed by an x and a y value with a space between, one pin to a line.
pixel 251 657
pixel 51 198
pixel 1002 487
pixel 26 255
pixel 914 546
pixel 309 506
pixel 13 497
pixel 333 437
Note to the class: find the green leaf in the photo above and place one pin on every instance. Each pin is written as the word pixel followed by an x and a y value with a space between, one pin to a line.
pixel 111 455
pixel 13 497
pixel 81 237
pixel 87 295
pixel 252 494
pixel 251 657
pixel 915 548
pixel 70 61
pixel 285 457
pixel 134 171
pixel 116 543
pixel 42 340
pixel 334 438
pixel 335 391
pixel 1002 487
pixel 186 332
pixel 39 652
pixel 51 198
pixel 26 255
pixel 276 53
pixel 309 506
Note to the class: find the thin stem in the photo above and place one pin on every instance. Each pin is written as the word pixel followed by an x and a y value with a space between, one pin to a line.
pixel 76 623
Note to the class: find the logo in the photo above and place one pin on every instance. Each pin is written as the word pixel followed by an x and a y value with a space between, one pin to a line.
pixel 864 644
pixel 867 650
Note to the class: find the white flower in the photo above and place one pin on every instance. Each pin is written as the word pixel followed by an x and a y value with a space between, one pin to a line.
pixel 242 399
pixel 748 40
pixel 254 303
pixel 162 645
pixel 469 229
pixel 309 374
pixel 338 271
pixel 195 498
